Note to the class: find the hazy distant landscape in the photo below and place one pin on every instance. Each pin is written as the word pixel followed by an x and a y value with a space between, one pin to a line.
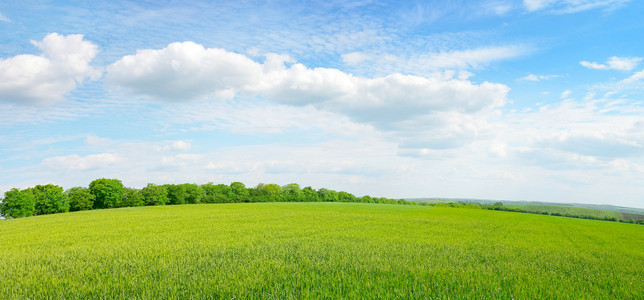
pixel 536 206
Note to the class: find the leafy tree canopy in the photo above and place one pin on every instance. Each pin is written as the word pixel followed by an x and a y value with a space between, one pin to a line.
pixel 80 198
pixel 17 204
pixel 109 193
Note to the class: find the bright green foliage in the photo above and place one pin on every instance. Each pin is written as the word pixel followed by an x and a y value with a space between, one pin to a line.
pixel 18 204
pixel 267 193
pixel 318 250
pixel 309 195
pixel 346 197
pixel 238 192
pixel 292 193
pixel 50 199
pixel 154 194
pixel 327 195
pixel 187 193
pixel 109 193
pixel 366 199
pixel 176 194
pixel 219 193
pixel 133 198
pixel 194 193
pixel 80 198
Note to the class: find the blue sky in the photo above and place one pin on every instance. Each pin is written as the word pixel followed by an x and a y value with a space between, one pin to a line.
pixel 520 100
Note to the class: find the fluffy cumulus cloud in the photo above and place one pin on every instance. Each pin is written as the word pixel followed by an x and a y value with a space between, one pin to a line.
pixel 183 71
pixel 614 63
pixel 46 78
pixel 396 102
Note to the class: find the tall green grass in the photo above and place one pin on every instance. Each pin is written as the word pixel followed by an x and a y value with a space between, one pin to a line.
pixel 317 250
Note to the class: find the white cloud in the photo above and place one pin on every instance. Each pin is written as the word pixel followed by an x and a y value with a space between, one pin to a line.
pixel 614 63
pixel 44 79
pixel 183 71
pixel 187 71
pixel 80 163
pixel 575 135
pixel 427 62
pixel 634 78
pixel 499 7
pixel 565 94
pixel 533 5
pixel 179 160
pixel 572 6
pixel 596 144
pixel 355 58
pixel 533 77
pixel 174 146
pixel 4 19
pixel 472 58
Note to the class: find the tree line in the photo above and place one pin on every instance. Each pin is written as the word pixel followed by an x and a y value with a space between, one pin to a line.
pixel 111 193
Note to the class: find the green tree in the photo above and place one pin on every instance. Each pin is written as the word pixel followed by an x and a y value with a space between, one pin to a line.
pixel 327 195
pixel 18 204
pixel 154 194
pixel 176 194
pixel 184 193
pixel 219 193
pixel 50 199
pixel 366 199
pixel 133 197
pixel 80 198
pixel 194 193
pixel 238 192
pixel 267 193
pixel 310 195
pixel 109 193
pixel 346 197
pixel 292 193
pixel 497 205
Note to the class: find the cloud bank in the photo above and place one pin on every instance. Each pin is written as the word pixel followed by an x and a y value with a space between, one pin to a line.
pixel 188 71
pixel 45 79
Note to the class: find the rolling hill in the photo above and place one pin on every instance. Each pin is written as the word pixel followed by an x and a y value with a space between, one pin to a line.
pixel 317 250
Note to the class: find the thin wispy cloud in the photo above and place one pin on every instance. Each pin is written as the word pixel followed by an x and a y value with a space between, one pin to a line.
pixel 533 77
pixel 614 63
pixel 572 6
pixel 4 19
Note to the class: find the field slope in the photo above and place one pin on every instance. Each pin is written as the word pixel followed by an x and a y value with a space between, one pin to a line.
pixel 576 211
pixel 321 250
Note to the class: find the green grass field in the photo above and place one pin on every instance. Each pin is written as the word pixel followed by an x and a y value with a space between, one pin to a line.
pixel 317 250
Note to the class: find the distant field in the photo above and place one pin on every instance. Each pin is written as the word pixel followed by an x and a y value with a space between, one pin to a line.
pixel 563 209
pixel 576 211
pixel 317 250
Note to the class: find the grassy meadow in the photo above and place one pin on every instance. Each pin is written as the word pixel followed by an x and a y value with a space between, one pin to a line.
pixel 317 250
